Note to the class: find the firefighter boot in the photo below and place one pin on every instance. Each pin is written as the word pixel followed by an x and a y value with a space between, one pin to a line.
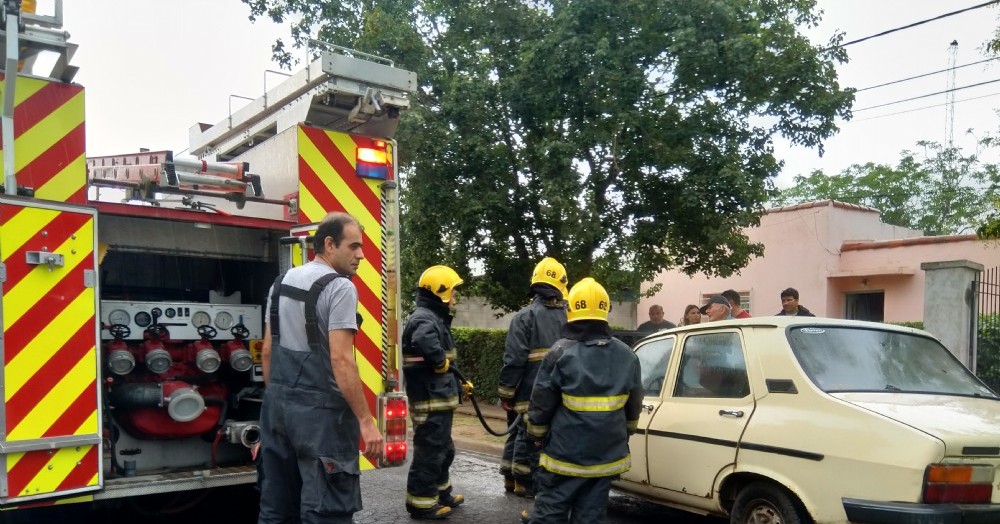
pixel 508 484
pixel 446 498
pixel 524 487
pixel 437 512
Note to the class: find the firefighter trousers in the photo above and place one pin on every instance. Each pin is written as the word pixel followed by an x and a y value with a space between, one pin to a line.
pixel 525 461
pixel 507 459
pixel 576 500
pixel 309 471
pixel 433 453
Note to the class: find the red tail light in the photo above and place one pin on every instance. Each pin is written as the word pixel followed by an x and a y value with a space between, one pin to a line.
pixel 958 484
pixel 394 429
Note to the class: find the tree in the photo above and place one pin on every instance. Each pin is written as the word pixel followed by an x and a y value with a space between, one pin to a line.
pixel 622 137
pixel 939 191
pixel 990 228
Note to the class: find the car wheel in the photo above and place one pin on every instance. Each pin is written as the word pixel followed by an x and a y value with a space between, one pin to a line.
pixel 766 503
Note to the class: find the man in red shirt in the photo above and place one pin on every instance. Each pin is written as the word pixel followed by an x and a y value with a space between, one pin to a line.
pixel 734 304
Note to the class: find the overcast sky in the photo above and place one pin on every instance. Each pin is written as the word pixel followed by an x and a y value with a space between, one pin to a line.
pixel 154 68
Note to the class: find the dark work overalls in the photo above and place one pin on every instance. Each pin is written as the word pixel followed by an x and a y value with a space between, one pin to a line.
pixel 309 435
pixel 433 398
pixel 532 332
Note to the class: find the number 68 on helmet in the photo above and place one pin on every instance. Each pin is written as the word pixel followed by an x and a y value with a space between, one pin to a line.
pixel 588 300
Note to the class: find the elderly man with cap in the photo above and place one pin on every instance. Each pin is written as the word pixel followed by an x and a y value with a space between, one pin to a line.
pixel 717 308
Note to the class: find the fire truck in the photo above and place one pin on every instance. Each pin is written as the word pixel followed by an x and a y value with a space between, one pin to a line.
pixel 132 287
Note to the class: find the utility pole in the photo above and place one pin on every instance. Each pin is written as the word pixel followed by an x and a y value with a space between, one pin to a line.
pixel 949 116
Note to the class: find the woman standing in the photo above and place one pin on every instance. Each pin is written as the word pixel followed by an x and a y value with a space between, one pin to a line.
pixel 691 315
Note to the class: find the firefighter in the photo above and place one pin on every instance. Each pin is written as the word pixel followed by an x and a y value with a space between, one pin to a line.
pixel 532 332
pixel 314 412
pixel 584 406
pixel 428 355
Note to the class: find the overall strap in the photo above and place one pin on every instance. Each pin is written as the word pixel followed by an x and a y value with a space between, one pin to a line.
pixel 273 312
pixel 311 298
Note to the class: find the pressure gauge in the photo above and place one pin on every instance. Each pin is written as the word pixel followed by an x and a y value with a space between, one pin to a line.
pixel 142 319
pixel 170 312
pixel 224 320
pixel 119 316
pixel 200 318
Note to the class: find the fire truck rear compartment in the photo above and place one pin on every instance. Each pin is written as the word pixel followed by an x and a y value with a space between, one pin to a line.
pixel 183 388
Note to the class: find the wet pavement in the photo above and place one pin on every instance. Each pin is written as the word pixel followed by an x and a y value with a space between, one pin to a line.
pixel 477 476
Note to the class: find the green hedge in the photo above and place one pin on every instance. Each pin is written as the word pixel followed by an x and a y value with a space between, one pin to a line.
pixel 480 357
pixel 988 351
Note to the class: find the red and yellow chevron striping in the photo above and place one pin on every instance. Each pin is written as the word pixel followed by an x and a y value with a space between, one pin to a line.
pixel 50 357
pixel 49 139
pixel 328 182
pixel 71 468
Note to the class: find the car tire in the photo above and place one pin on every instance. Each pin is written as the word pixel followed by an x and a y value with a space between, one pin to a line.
pixel 767 503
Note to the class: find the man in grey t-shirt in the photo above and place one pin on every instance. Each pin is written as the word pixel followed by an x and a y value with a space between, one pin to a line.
pixel 309 469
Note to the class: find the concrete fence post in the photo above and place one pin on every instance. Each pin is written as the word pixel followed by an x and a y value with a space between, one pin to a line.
pixel 948 305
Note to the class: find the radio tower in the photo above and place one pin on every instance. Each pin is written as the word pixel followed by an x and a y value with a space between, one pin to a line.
pixel 949 116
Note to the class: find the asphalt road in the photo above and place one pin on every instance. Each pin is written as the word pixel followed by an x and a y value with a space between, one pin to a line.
pixel 476 476
pixel 473 474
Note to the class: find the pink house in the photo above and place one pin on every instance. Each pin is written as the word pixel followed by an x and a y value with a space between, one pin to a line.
pixel 844 261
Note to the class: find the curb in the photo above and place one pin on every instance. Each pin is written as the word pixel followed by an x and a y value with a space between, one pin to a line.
pixel 478 446
pixel 471 444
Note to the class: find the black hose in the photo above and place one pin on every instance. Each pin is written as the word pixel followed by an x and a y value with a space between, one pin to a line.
pixel 479 414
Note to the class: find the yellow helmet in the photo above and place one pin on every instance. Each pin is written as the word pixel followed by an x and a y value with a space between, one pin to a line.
pixel 588 301
pixel 440 280
pixel 550 271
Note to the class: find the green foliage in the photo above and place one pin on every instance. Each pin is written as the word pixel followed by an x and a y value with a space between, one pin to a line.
pixel 480 357
pixel 988 351
pixel 917 324
pixel 990 228
pixel 940 191
pixel 622 137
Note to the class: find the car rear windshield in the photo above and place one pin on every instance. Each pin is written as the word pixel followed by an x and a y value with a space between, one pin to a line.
pixel 860 359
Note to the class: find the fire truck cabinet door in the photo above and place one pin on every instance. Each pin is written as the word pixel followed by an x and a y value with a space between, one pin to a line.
pixel 50 420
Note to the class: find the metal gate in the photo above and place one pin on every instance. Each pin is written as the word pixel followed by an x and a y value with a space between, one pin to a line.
pixel 986 326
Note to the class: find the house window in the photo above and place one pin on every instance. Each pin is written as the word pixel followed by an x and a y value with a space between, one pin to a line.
pixel 865 306
pixel 744 299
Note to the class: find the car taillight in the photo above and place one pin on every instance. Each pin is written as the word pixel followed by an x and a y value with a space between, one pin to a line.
pixel 959 484
pixel 394 430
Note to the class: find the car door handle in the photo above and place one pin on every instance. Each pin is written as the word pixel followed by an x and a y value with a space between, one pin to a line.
pixel 648 408
pixel 731 413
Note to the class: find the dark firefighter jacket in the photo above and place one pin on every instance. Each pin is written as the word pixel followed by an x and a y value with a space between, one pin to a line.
pixel 586 402
pixel 532 332
pixel 427 343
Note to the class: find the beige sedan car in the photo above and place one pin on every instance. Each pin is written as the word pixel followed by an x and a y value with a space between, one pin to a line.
pixel 784 420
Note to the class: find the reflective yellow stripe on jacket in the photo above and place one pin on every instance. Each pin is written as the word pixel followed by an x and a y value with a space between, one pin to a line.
pixel 537 355
pixel 577 470
pixel 505 392
pixel 434 404
pixel 612 403
pixel 537 431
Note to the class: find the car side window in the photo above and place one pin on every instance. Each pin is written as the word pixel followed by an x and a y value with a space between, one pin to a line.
pixel 653 358
pixel 712 366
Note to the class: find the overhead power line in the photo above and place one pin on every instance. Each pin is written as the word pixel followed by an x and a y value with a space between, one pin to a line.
pixel 939 71
pixel 920 108
pixel 927 95
pixel 914 24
